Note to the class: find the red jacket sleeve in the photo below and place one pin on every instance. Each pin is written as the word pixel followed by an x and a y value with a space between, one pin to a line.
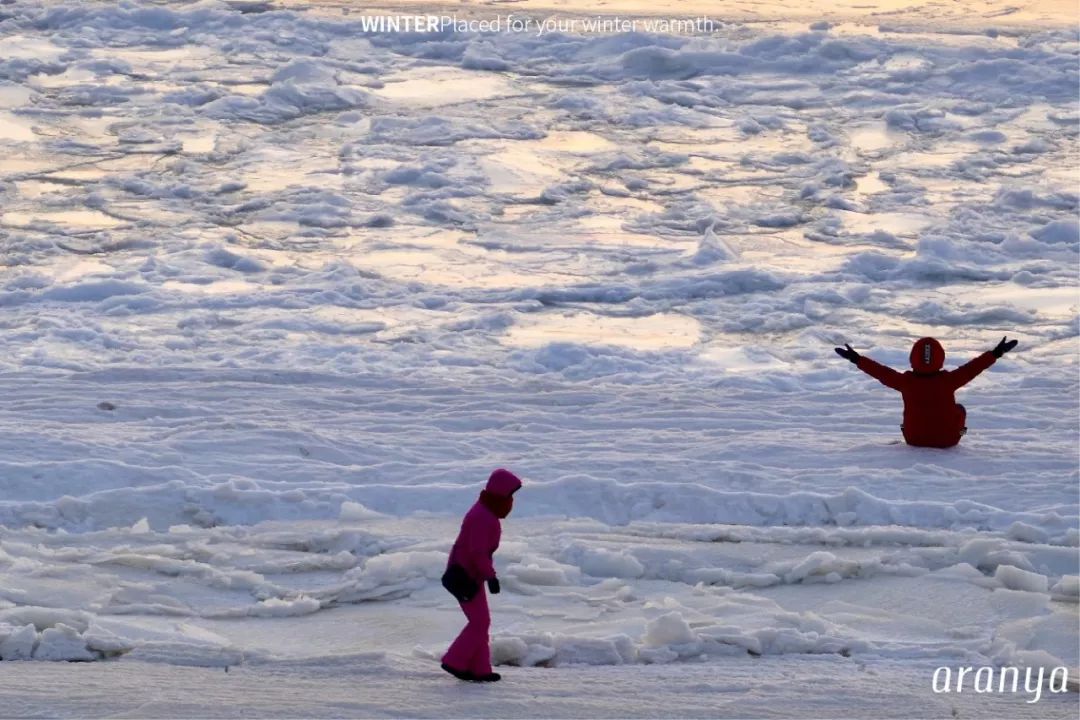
pixel 882 373
pixel 967 372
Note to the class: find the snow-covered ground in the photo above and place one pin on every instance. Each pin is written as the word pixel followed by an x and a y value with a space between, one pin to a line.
pixel 277 293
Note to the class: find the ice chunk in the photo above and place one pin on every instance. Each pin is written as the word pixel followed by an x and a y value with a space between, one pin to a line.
pixel 1016 579
pixel 396 566
pixel 509 650
pixel 588 651
pixel 356 511
pixel 45 617
pixel 669 629
pixel 1068 586
pixel 820 564
pixel 544 571
pixel 180 653
pixel 1059 231
pixel 599 562
pixel 63 643
pixel 277 607
pixel 1026 533
pixel 19 645
pixel 304 72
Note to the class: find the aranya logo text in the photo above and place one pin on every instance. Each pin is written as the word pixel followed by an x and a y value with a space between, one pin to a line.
pixel 1008 680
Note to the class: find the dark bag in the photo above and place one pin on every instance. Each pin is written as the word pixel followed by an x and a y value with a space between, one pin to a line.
pixel 458 583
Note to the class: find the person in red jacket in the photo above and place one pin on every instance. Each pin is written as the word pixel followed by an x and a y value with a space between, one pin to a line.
pixel 932 417
pixel 468 568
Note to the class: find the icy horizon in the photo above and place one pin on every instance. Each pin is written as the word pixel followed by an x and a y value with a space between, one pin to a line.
pixel 278 293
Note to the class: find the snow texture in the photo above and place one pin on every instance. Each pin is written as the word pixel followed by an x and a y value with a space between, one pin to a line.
pixel 278 292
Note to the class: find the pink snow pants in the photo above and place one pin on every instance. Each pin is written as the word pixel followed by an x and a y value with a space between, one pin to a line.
pixel 471 652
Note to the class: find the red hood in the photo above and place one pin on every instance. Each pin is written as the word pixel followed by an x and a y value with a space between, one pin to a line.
pixel 503 482
pixel 927 355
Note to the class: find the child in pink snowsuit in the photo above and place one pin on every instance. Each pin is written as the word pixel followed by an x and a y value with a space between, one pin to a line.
pixel 469 658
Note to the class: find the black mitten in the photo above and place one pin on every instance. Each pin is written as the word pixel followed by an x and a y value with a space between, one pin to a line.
pixel 848 354
pixel 458 583
pixel 493 586
pixel 1004 347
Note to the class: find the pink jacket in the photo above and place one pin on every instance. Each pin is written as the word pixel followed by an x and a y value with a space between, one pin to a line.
pixel 481 530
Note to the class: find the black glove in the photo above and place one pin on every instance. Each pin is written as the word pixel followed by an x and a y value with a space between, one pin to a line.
pixel 493 586
pixel 1004 347
pixel 457 582
pixel 848 354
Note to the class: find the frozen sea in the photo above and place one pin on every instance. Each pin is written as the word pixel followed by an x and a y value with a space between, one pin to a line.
pixel 278 292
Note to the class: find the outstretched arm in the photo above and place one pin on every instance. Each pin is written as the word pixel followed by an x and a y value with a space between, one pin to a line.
pixel 882 373
pixel 967 372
